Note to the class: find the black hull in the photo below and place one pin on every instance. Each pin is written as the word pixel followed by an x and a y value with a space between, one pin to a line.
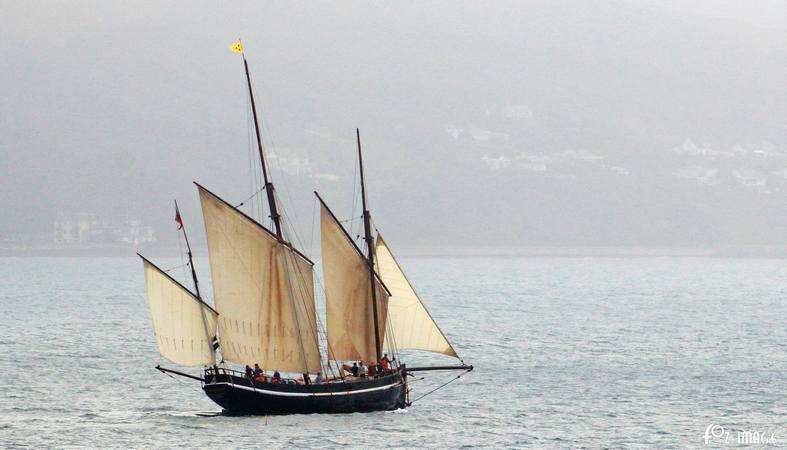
pixel 241 396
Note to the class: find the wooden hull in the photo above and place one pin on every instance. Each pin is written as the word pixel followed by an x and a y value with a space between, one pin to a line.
pixel 241 396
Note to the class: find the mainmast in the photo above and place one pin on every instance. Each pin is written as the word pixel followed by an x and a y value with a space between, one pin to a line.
pixel 182 227
pixel 268 184
pixel 367 227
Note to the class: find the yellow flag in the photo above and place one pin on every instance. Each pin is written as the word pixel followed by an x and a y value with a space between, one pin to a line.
pixel 238 48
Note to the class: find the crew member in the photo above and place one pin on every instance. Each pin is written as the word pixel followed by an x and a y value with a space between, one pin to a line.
pixel 354 369
pixel 385 362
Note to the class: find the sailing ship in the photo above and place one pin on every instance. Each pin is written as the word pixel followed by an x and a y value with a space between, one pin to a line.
pixel 264 313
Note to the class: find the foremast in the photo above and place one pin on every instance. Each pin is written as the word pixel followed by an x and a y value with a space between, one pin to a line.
pixel 182 227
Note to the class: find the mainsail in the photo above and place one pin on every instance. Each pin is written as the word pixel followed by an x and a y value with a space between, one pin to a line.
pixel 411 325
pixel 184 326
pixel 263 289
pixel 348 299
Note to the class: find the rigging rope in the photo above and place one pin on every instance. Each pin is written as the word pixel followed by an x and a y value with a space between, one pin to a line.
pixel 439 387
pixel 311 232
pixel 351 219
pixel 356 191
pixel 183 262
pixel 287 224
pixel 295 313
pixel 176 267
pixel 268 135
pixel 169 375
pixel 254 168
pixel 301 285
pixel 249 198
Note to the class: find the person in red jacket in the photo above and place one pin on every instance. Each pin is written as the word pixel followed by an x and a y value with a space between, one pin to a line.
pixel 385 362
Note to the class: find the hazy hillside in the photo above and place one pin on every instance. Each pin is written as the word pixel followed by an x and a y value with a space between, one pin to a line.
pixel 506 125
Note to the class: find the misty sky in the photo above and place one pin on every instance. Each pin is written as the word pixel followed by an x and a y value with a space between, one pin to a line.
pixel 497 125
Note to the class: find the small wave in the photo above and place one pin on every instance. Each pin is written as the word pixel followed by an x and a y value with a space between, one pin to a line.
pixel 191 413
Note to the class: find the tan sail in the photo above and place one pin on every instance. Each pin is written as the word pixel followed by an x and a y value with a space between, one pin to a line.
pixel 410 324
pixel 263 290
pixel 184 326
pixel 348 295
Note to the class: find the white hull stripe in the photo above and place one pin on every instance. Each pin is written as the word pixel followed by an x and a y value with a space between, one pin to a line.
pixel 307 394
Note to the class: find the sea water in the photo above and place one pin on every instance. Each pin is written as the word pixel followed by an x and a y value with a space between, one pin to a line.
pixel 568 352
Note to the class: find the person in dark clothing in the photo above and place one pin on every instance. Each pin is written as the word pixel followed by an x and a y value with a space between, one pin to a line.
pixel 306 379
pixel 355 369
pixel 257 370
pixel 249 373
pixel 277 375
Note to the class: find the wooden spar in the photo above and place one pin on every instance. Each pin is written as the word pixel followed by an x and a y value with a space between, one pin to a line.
pixel 194 275
pixel 268 184
pixel 250 219
pixel 367 227
pixel 163 370
pixel 428 368
pixel 177 283
pixel 188 249
pixel 349 238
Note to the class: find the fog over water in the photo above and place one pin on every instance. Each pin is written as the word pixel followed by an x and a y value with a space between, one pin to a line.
pixel 486 127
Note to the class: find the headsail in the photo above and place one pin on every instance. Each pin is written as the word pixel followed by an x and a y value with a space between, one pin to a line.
pixel 348 300
pixel 184 326
pixel 411 325
pixel 263 289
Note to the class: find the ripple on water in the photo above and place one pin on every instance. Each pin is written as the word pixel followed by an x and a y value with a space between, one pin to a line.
pixel 568 353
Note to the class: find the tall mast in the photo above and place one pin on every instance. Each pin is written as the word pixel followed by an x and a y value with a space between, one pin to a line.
pixel 367 227
pixel 179 220
pixel 268 183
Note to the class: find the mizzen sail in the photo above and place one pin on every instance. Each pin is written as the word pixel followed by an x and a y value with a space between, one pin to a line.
pixel 263 289
pixel 410 324
pixel 348 298
pixel 184 326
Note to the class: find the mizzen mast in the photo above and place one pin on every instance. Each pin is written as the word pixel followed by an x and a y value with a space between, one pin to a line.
pixel 269 191
pixel 367 228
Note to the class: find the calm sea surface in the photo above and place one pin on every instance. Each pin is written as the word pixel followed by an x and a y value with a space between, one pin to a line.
pixel 592 352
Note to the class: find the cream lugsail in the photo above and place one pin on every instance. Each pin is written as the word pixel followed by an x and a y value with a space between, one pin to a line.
pixel 184 326
pixel 263 290
pixel 348 300
pixel 410 324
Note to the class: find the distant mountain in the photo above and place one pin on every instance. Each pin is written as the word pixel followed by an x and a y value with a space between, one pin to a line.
pixel 496 125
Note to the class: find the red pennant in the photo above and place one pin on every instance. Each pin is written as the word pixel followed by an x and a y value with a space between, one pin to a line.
pixel 178 220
